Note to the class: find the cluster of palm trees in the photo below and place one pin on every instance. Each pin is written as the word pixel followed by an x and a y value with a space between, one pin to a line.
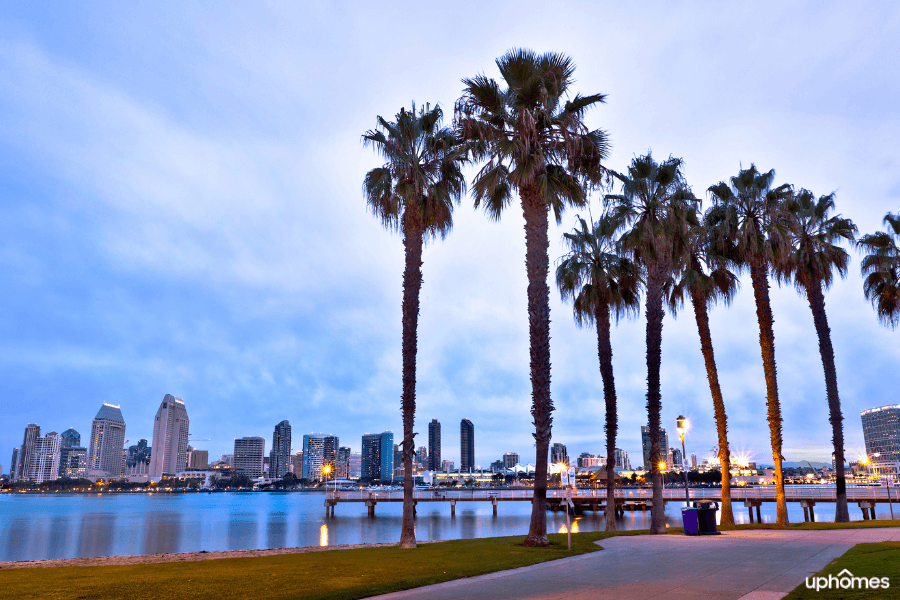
pixel 527 133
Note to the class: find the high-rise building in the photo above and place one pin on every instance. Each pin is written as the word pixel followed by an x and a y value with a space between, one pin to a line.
pixel 587 460
pixel 319 449
pixel 422 456
pixel 510 460
pixel 355 465
pixel 170 438
pixel 139 454
pixel 73 462
pixel 663 445
pixel 881 432
pixel 466 446
pixel 199 459
pixel 676 461
pixel 70 438
pixel 248 455
pixel 32 432
pixel 107 441
pixel 297 465
pixel 434 446
pixel 693 461
pixel 378 456
pixel 496 466
pixel 343 463
pixel 280 456
pixel 447 466
pixel 44 463
pixel 13 463
pixel 559 454
pixel 622 461
pixel 398 456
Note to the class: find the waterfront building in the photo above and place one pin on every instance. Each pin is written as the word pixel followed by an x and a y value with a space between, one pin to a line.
pixel 694 461
pixel 139 454
pixel 645 445
pixel 280 456
pixel 675 461
pixel 355 465
pixel 170 438
pixel 587 460
pixel 248 455
pixel 497 466
pixel 44 463
pixel 73 462
pixel 70 438
pixel 13 463
pixel 559 454
pixel 447 466
pixel 422 456
pixel 398 456
pixel 881 432
pixel 319 449
pixel 378 456
pixel 343 463
pixel 510 460
pixel 228 459
pixel 622 461
pixel 107 441
pixel 297 465
pixel 199 459
pixel 466 446
pixel 32 432
pixel 434 445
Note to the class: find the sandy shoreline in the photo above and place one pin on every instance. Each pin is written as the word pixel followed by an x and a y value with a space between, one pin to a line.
pixel 144 559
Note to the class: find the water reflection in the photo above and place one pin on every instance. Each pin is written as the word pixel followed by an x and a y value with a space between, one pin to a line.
pixel 276 530
pixel 323 535
pixel 243 530
pixel 96 534
pixel 59 537
pixel 162 532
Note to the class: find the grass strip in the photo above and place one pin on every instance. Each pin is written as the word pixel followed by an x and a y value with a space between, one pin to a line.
pixel 344 574
pixel 880 559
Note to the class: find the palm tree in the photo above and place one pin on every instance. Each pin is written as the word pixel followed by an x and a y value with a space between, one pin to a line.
pixel 413 193
pixel 750 231
pixel 881 268
pixel 704 289
pixel 601 283
pixel 658 206
pixel 534 143
pixel 812 255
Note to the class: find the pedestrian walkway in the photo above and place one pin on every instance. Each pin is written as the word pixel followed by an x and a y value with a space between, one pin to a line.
pixel 751 565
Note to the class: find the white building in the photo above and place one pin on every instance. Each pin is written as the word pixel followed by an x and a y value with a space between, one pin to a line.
pixel 107 440
pixel 44 464
pixel 170 438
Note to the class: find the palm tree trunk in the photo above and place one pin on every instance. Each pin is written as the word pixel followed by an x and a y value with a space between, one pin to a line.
pixel 412 285
pixel 655 314
pixel 604 353
pixel 537 264
pixel 712 374
pixel 817 304
pixel 759 277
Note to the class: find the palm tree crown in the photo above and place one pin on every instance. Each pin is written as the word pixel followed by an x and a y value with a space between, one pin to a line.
pixel 422 175
pixel 592 273
pixel 881 269
pixel 528 134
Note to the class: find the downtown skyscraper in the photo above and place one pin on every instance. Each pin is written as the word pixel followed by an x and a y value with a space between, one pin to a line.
pixel 170 438
pixel 280 455
pixel 378 456
pixel 881 432
pixel 26 451
pixel 319 450
pixel 434 446
pixel 107 440
pixel 466 446
pixel 249 453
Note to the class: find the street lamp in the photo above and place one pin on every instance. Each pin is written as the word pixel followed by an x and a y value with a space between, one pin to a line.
pixel 888 483
pixel 681 425
pixel 326 470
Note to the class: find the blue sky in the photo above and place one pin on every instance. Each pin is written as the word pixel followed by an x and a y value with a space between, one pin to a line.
pixel 182 214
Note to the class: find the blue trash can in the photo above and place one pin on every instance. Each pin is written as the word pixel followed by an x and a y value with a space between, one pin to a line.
pixel 691 521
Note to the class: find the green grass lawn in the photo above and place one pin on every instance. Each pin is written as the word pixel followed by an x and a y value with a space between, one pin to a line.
pixel 863 560
pixel 329 574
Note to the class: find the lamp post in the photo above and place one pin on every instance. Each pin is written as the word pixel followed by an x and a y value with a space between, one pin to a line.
pixel 888 483
pixel 681 425
pixel 326 470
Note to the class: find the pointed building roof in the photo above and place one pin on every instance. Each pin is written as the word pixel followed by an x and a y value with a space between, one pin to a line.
pixel 110 413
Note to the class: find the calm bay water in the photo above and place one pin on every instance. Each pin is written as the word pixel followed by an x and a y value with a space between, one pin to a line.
pixel 43 526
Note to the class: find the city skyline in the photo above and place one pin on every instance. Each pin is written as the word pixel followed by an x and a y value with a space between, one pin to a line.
pixel 135 263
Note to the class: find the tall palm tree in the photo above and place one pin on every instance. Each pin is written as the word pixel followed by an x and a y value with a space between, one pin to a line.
pixel 657 206
pixel 704 287
pixel 536 143
pixel 811 258
pixel 413 193
pixel 601 283
pixel 881 268
pixel 749 229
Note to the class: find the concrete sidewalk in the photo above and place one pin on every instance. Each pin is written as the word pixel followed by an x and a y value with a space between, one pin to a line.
pixel 755 565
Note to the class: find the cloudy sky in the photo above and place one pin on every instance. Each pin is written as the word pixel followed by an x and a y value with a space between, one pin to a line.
pixel 182 213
